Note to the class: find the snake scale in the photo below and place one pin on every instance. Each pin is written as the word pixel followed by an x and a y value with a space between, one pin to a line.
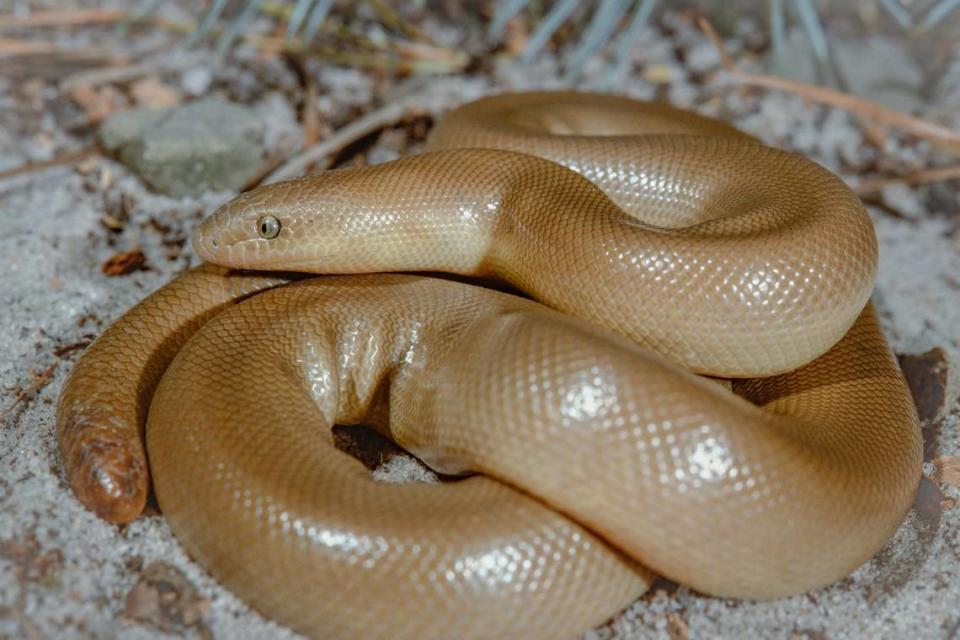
pixel 660 249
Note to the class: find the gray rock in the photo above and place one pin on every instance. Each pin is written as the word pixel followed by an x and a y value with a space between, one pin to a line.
pixel 205 145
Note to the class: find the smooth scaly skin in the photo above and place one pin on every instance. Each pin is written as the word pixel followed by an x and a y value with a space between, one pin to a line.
pixel 301 530
pixel 769 261
pixel 103 406
pixel 675 471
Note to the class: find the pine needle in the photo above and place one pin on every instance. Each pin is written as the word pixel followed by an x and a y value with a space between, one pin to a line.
pixel 871 111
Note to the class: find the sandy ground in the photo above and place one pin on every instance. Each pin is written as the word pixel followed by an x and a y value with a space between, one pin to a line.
pixel 66 574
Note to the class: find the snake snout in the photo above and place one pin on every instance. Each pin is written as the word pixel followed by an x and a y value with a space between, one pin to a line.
pixel 208 241
pixel 205 246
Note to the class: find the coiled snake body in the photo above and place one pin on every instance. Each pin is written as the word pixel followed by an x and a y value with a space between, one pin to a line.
pixel 674 245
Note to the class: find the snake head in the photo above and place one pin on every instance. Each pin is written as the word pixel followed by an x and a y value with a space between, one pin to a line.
pixel 317 224
pixel 348 221
pixel 252 231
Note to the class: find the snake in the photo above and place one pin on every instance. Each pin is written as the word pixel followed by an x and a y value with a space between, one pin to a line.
pixel 632 339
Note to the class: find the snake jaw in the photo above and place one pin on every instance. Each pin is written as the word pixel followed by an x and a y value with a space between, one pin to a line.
pixel 205 244
pixel 234 236
pixel 221 240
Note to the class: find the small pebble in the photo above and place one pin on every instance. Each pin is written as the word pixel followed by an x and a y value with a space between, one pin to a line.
pixel 164 598
pixel 196 81
pixel 903 199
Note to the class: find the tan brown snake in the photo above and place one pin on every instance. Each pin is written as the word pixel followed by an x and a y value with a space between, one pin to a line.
pixel 592 455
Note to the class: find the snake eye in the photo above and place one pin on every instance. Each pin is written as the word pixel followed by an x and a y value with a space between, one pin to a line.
pixel 268 227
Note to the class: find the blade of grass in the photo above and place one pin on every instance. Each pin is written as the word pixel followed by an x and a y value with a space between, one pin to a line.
pixel 778 34
pixel 393 19
pixel 937 13
pixel 237 25
pixel 317 16
pixel 898 13
pixel 604 23
pixel 819 43
pixel 208 22
pixel 300 12
pixel 558 13
pixel 505 10
pixel 621 59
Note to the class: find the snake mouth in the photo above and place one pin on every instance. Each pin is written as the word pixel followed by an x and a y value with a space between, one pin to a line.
pixel 206 244
pixel 216 243
pixel 228 248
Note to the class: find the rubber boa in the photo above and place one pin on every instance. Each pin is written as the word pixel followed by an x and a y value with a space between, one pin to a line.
pixel 668 245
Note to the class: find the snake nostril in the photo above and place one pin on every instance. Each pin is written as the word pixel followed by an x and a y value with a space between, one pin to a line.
pixel 214 243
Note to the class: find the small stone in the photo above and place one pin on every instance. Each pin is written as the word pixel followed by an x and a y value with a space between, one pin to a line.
pixel 196 81
pixel 166 599
pixel 677 627
pixel 98 103
pixel 702 57
pixel 903 199
pixel 30 562
pixel 946 470
pixel 205 145
pixel 660 74
pixel 133 563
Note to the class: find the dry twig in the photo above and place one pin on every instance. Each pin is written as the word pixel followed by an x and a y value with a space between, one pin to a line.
pixel 311 114
pixel 16 47
pixel 871 111
pixel 363 126
pixel 271 164
pixel 22 395
pixel 68 18
pixel 409 58
pixel 924 176
pixel 392 18
pixel 373 121
pixel 174 61
pixel 67 158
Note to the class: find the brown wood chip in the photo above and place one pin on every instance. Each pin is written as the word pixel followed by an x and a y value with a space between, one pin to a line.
pixel 98 102
pixel 151 92
pixel 125 262
pixel 677 627
pixel 946 469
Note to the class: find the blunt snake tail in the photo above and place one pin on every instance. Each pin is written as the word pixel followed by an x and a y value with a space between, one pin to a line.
pixel 660 249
